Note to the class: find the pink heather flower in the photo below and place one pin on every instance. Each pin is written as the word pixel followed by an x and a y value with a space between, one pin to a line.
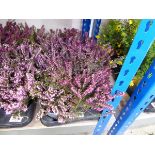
pixel 30 79
pixel 90 100
pixel 61 119
pixel 98 109
pixel 76 92
pixel 2 80
pixel 64 82
pixel 24 108
pixel 8 111
pixel 68 66
pixel 86 80
pixel 78 82
pixel 88 90
pixel 55 109
pixel 15 105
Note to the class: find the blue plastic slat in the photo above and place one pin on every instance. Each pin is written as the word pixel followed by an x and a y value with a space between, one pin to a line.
pixel 96 27
pixel 85 26
pixel 137 52
pixel 140 99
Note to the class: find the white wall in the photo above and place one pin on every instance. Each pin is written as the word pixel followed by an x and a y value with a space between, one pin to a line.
pixel 50 23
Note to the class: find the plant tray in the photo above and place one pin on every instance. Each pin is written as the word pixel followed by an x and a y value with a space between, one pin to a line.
pixel 8 121
pixel 89 115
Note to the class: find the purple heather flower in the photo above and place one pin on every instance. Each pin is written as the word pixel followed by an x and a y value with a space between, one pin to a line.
pixel 57 67
pixel 81 66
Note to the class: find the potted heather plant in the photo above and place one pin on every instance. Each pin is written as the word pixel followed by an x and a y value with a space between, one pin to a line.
pixel 16 80
pixel 75 78
pixel 16 74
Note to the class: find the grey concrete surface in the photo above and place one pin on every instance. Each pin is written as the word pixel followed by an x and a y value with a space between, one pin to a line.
pixel 143 125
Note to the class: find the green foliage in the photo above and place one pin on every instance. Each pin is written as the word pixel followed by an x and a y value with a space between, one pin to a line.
pixel 120 34
pixel 146 63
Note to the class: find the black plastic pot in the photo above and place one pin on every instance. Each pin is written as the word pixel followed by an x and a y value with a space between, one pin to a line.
pixel 116 72
pixel 7 121
pixel 49 120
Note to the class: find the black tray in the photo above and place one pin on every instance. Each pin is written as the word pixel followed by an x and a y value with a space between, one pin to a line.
pixel 6 122
pixel 89 115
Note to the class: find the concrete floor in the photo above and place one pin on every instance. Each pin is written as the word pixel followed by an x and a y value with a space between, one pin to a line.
pixel 79 128
pixel 143 125
pixel 148 130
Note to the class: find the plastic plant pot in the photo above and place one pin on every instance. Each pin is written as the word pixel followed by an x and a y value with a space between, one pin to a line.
pixel 10 121
pixel 51 119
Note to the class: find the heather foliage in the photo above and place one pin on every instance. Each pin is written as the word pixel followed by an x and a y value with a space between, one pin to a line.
pixel 53 99
pixel 16 76
pixel 79 68
pixel 18 55
pixel 13 33
pixel 65 73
